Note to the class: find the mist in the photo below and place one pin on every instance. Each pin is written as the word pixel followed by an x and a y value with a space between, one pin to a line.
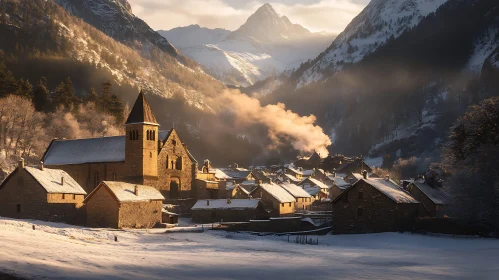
pixel 284 127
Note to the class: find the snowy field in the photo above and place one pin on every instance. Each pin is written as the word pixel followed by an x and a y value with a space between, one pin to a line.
pixel 56 251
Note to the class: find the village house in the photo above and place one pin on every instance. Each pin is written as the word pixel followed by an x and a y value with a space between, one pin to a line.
pixel 290 178
pixel 145 156
pixel 314 161
pixel 228 210
pixel 338 186
pixel 303 199
pixel 352 177
pixel 316 192
pixel 310 182
pixel 356 166
pixel 433 198
pixel 374 205
pixel 296 173
pixel 276 200
pixel 322 176
pixel 207 186
pixel 123 205
pixel 43 194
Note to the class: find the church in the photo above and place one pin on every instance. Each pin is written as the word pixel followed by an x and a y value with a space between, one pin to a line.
pixel 145 156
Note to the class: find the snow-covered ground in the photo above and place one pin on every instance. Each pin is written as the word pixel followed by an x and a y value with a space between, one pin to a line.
pixel 61 251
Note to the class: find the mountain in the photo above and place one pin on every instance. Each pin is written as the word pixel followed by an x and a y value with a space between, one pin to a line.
pixel 398 77
pixel 194 35
pixel 380 21
pixel 267 44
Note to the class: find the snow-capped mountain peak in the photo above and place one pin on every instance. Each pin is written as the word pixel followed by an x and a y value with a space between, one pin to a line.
pixel 374 26
pixel 266 25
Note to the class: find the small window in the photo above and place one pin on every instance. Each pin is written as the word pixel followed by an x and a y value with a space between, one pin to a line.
pixel 289 204
pixel 74 196
pixel 63 196
pixel 360 211
pixel 282 204
pixel 148 135
pixel 150 154
pixel 360 195
pixel 18 208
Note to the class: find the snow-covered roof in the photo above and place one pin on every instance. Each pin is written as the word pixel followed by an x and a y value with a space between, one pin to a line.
pixel 294 190
pixel 340 183
pixel 90 150
pixel 237 174
pixel 278 192
pixel 234 204
pixel 292 178
pixel 435 195
pixel 219 174
pixel 296 171
pixel 308 172
pixel 125 192
pixel 317 183
pixel 390 189
pixel 50 180
pixel 312 190
pixel 357 176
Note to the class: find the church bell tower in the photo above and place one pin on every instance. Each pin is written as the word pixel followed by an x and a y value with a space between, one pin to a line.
pixel 141 144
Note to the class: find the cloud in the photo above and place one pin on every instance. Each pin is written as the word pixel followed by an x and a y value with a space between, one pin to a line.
pixel 317 15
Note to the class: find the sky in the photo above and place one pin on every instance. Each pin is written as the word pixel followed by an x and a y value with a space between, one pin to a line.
pixel 331 16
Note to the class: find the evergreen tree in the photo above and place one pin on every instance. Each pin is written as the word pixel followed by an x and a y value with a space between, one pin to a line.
pixel 41 96
pixel 64 94
pixel 3 13
pixel 115 108
pixel 92 96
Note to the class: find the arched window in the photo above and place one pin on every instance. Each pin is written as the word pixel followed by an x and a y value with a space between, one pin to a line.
pixel 178 164
pixel 130 135
pixel 167 162
pixel 150 154
pixel 153 135
pixel 136 135
pixel 148 135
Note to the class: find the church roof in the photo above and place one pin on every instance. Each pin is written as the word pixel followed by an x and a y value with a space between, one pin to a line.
pixel 141 112
pixel 92 150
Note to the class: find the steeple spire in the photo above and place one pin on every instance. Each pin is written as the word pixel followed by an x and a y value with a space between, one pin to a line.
pixel 141 112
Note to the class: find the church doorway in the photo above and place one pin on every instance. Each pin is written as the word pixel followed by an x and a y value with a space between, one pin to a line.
pixel 174 188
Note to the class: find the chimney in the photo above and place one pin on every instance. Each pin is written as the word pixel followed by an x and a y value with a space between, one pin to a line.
pixel 40 165
pixel 387 178
pixel 136 190
pixel 334 172
pixel 364 173
pixel 62 181
pixel 228 201
pixel 20 164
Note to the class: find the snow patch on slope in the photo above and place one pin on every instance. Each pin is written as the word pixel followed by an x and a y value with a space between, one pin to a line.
pixel 374 26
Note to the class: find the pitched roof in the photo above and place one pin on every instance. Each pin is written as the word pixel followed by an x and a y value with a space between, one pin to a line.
pixel 296 171
pixel 125 192
pixel 312 190
pixel 141 112
pixel 292 178
pixel 236 174
pixel 278 193
pixel 316 182
pixel 435 195
pixel 50 180
pixel 91 150
pixel 386 187
pixel 235 204
pixel 294 190
pixel 340 183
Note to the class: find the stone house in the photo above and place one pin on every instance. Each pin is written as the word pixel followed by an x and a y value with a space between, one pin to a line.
pixel 276 200
pixel 352 177
pixel 144 156
pixel 374 205
pixel 303 199
pixel 316 192
pixel 43 194
pixel 228 210
pixel 338 186
pixel 433 198
pixel 123 205
pixel 356 165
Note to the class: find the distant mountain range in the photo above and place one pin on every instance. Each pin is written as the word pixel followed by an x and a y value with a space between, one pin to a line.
pixel 267 44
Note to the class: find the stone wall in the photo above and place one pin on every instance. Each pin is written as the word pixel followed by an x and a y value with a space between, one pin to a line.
pixel 102 209
pixel 364 209
pixel 144 214
pixel 203 189
pixel 22 197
